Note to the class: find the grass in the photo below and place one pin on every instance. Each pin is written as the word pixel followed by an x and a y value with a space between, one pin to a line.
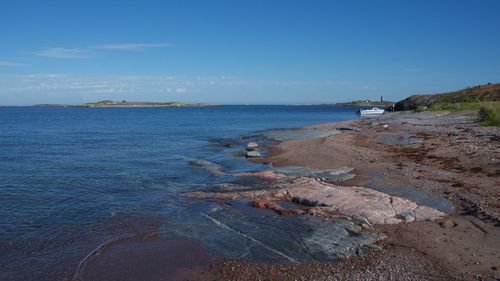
pixel 488 112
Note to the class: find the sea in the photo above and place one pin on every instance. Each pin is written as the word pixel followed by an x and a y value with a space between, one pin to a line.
pixel 72 179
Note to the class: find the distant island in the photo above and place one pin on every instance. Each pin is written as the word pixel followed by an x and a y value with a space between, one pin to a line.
pixel 110 103
pixel 366 103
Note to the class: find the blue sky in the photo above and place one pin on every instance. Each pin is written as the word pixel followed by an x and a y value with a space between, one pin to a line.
pixel 233 52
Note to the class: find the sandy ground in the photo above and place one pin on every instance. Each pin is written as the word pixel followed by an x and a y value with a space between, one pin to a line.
pixel 444 154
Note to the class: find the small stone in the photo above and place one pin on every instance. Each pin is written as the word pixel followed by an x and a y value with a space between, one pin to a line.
pixel 252 145
pixel 447 224
pixel 365 226
pixel 409 218
pixel 251 154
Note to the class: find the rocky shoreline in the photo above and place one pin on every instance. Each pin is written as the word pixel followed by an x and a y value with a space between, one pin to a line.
pixel 403 196
pixel 423 186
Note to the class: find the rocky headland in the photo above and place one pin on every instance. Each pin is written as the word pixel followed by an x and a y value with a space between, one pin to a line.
pixel 481 93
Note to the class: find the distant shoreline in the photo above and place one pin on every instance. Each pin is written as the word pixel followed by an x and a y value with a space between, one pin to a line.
pixel 108 103
pixel 366 103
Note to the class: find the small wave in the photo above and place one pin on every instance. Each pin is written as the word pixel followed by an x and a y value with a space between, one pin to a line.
pixel 102 247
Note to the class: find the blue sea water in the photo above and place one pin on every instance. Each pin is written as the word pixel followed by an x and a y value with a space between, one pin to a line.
pixel 71 178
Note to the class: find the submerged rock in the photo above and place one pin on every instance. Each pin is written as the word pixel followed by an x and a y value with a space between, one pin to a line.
pixel 214 168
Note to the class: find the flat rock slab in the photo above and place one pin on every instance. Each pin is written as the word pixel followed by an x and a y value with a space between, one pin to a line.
pixel 228 233
pixel 411 193
pixel 361 202
pixel 397 139
pixel 296 134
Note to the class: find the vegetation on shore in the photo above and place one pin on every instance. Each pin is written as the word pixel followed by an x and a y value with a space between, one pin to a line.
pixel 490 115
pixel 488 112
pixel 485 99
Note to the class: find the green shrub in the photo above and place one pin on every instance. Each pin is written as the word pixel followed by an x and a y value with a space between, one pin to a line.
pixel 489 116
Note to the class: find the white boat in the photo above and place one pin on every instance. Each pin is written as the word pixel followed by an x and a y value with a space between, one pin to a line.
pixel 373 111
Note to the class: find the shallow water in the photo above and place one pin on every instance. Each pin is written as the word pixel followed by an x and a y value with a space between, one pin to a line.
pixel 73 178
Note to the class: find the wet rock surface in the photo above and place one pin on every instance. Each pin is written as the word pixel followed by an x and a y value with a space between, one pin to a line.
pixel 214 168
pixel 227 232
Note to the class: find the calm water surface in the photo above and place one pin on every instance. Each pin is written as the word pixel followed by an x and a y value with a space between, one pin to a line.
pixel 72 178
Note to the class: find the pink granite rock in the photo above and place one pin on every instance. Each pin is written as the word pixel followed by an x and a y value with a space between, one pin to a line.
pixel 361 202
pixel 358 202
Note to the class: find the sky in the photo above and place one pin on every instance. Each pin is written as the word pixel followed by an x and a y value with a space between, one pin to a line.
pixel 244 52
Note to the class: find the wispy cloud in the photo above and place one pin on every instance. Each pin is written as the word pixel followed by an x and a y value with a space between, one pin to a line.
pixel 63 53
pixel 11 64
pixel 132 46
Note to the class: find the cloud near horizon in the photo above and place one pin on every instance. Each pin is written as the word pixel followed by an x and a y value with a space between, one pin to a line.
pixel 132 46
pixel 85 53
pixel 60 88
pixel 12 63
